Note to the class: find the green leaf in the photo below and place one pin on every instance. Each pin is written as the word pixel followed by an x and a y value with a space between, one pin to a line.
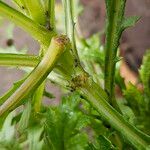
pixel 100 143
pixel 8 134
pixel 129 22
pixel 48 94
pixel 92 53
pixel 119 80
pixel 67 127
pixel 145 73
pixel 64 126
pixel 34 141
pixel 104 143
pixel 25 118
pixel 127 111
pixel 135 99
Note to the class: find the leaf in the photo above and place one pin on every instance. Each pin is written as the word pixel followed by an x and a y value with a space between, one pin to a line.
pixel 101 143
pixel 104 143
pixel 145 73
pixel 34 141
pixel 25 118
pixel 135 99
pixel 91 50
pixel 67 127
pixel 64 127
pixel 127 111
pixel 130 22
pixel 48 94
pixel 7 134
pixel 119 80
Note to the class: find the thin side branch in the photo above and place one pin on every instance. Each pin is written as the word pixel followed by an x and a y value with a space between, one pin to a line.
pixel 19 60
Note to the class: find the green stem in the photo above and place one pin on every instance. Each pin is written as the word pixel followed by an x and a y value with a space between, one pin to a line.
pixel 36 11
pixel 38 97
pixel 70 25
pixel 18 60
pixel 66 15
pixel 38 32
pixel 52 14
pixel 108 113
pixel 38 75
pixel 115 13
pixel 38 94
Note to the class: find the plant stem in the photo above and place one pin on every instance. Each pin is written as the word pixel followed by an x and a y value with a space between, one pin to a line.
pixel 18 60
pixel 52 14
pixel 38 94
pixel 66 15
pixel 36 11
pixel 109 114
pixel 38 97
pixel 39 74
pixel 38 32
pixel 70 25
pixel 115 14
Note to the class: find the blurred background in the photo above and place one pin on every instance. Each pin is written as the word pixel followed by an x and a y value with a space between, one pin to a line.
pixel 135 41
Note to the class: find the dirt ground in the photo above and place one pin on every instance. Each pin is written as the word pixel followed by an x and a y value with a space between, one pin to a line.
pixel 135 41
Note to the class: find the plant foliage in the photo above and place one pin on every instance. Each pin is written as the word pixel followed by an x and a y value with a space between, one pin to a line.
pixel 89 116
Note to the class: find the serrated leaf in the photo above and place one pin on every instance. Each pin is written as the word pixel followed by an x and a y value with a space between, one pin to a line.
pixel 135 99
pixel 129 22
pixel 25 118
pixel 119 80
pixel 91 50
pixel 101 143
pixel 145 73
pixel 8 130
pixel 64 126
pixel 104 143
pixel 34 141
pixel 7 134
pixel 127 111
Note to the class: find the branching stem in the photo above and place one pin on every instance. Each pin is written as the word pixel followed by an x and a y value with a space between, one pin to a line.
pixel 40 33
pixel 38 75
